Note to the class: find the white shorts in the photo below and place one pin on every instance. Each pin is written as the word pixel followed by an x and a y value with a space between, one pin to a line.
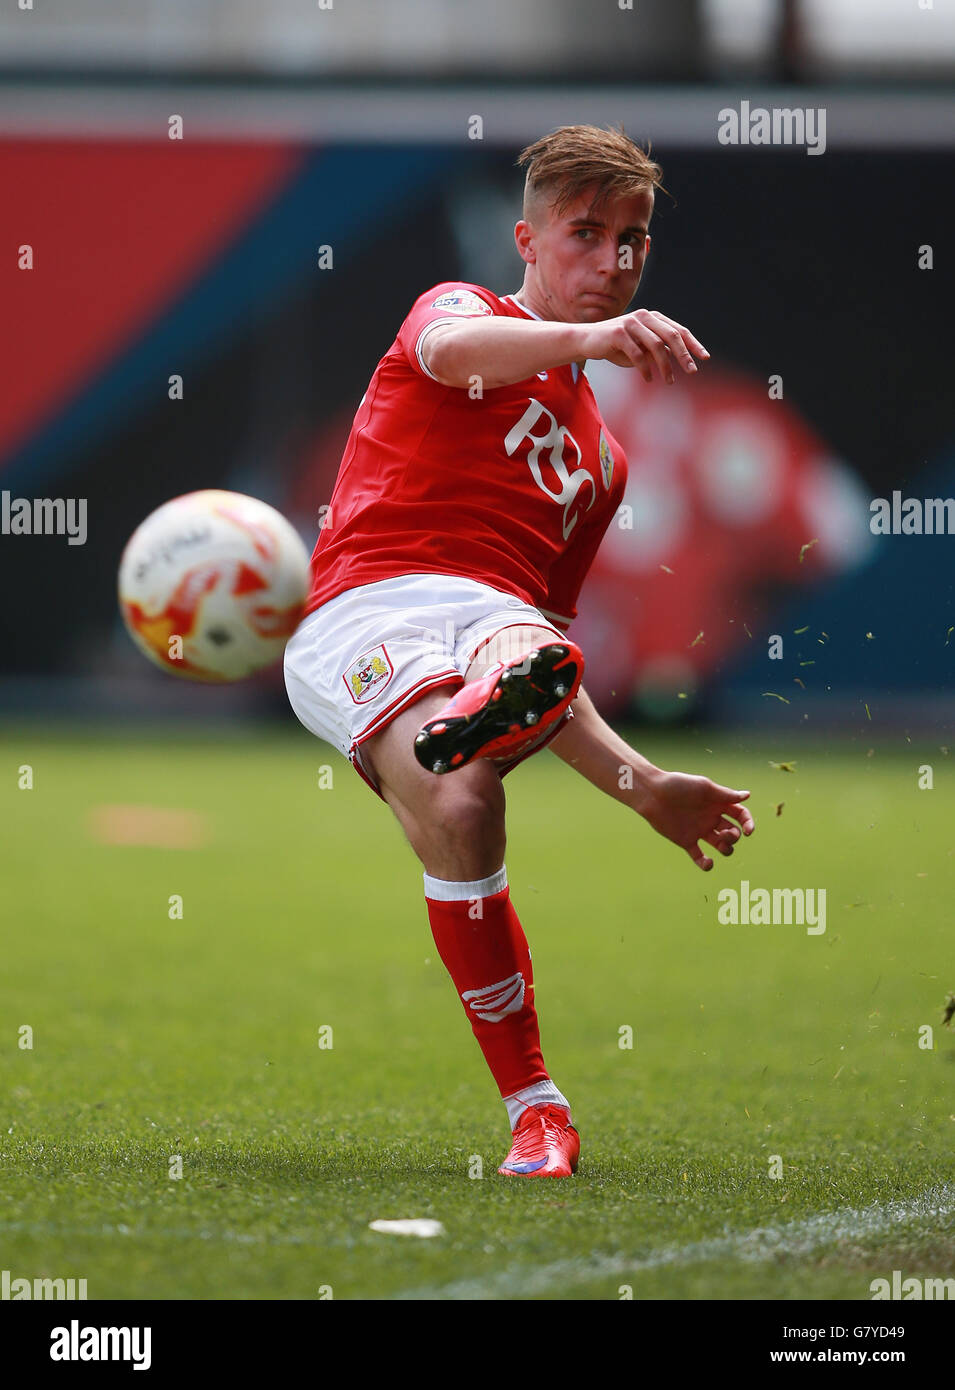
pixel 370 652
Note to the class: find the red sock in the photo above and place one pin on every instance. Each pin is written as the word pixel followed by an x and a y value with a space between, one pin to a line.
pixel 483 946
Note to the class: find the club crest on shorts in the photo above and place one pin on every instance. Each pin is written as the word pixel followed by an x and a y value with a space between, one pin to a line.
pixel 368 674
pixel 606 459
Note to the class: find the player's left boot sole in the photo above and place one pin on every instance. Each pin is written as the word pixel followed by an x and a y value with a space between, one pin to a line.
pixel 516 708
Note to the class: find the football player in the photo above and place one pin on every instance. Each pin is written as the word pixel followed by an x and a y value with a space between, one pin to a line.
pixel 475 488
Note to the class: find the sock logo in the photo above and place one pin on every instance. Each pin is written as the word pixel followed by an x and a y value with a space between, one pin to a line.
pixel 493 1002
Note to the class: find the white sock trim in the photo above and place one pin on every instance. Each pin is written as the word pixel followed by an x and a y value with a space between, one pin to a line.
pixel 540 1093
pixel 444 890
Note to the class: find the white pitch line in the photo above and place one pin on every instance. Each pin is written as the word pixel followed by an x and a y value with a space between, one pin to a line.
pixel 798 1238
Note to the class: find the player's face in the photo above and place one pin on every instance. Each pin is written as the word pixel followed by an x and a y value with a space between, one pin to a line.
pixel 584 266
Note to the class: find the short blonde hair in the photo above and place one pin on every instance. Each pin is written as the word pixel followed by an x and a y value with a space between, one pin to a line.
pixel 566 163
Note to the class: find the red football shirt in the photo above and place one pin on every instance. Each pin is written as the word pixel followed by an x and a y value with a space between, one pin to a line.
pixel 515 488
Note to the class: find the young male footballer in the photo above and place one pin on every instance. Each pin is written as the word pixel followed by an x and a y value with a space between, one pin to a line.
pixel 476 485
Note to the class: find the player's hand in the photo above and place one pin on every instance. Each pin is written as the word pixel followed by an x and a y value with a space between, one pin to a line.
pixel 685 809
pixel 646 340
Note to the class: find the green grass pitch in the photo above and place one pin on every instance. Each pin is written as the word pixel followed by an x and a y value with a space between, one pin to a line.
pixel 157 1036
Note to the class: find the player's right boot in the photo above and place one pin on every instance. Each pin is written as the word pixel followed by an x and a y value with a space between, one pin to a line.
pixel 512 703
pixel 546 1145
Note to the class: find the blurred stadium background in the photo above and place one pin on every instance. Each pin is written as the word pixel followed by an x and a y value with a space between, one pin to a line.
pixel 310 124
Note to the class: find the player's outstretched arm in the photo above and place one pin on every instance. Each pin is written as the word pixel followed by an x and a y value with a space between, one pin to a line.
pixel 499 351
pixel 680 806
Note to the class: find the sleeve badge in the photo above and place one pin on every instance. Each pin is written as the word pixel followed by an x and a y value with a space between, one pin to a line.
pixel 461 302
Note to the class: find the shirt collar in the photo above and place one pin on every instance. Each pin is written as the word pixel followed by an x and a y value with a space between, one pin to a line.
pixel 575 370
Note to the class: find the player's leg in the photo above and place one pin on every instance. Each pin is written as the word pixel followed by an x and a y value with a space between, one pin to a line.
pixel 456 827
pixel 545 1142
pixel 518 687
pixel 471 843
pixel 361 672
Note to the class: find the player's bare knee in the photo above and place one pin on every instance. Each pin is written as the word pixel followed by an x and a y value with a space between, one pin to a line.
pixel 470 813
pixel 465 832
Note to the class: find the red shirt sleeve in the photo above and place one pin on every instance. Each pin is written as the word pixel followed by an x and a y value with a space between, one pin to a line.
pixel 445 303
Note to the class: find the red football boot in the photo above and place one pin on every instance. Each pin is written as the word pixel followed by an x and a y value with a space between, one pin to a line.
pixel 545 1145
pixel 514 703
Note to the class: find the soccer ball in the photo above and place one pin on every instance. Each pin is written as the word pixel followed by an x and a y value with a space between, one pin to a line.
pixel 212 585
